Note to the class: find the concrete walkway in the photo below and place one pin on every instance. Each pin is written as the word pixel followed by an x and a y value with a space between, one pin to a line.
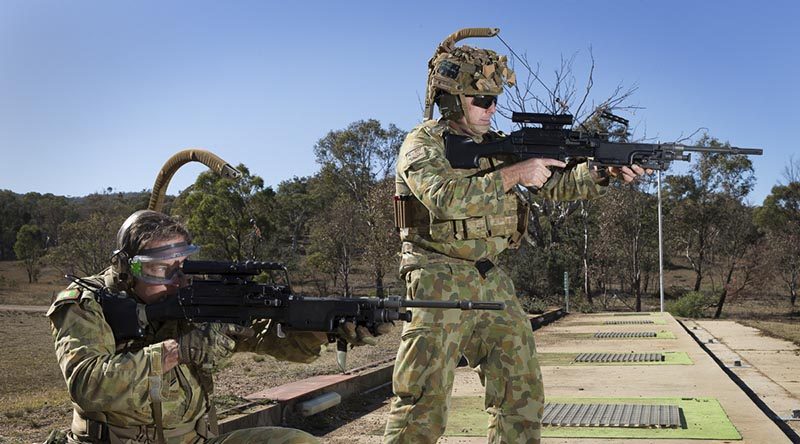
pixel 702 379
pixel 769 366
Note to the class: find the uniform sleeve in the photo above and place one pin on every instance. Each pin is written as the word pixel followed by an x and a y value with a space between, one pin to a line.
pixel 297 346
pixel 98 378
pixel 444 192
pixel 572 184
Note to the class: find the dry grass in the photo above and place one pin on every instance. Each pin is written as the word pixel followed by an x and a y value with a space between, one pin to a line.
pixel 15 289
pixel 34 399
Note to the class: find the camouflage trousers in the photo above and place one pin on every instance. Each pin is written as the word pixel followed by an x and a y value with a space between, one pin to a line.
pixel 499 343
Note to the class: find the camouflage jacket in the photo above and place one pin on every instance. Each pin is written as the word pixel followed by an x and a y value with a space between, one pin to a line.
pixel 464 214
pixel 109 382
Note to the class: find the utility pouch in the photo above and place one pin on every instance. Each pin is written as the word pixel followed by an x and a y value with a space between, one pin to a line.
pixel 409 212
pixel 401 210
pixel 122 314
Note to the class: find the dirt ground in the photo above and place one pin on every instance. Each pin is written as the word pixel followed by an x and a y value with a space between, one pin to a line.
pixel 34 399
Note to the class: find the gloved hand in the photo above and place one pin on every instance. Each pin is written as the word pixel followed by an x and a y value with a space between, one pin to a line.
pixel 360 335
pixel 209 345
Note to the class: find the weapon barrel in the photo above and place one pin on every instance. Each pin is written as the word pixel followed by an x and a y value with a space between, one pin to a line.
pixel 727 150
pixel 463 305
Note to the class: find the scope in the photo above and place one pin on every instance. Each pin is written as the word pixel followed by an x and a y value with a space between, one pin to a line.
pixel 542 119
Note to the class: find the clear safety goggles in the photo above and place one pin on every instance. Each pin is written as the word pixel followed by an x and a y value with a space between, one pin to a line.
pixel 161 265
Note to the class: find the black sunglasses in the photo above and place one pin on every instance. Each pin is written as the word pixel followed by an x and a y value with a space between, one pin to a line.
pixel 484 102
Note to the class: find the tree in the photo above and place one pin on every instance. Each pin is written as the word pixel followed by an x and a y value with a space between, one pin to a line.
pixel 85 246
pixel 693 201
pixel 294 207
pixel 13 217
pixel 29 248
pixel 357 164
pixel 563 241
pixel 779 217
pixel 359 155
pixel 737 254
pixel 627 236
pixel 336 239
pixel 382 242
pixel 227 217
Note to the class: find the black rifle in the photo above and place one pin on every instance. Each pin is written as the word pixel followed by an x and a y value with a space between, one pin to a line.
pixel 555 140
pixel 234 297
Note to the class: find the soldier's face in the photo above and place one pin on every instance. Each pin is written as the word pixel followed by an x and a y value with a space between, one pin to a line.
pixel 150 293
pixel 478 119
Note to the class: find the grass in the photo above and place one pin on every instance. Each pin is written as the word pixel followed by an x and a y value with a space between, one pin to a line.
pixel 561 359
pixel 787 330
pixel 15 289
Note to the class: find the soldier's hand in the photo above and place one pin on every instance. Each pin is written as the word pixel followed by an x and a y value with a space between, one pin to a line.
pixel 529 173
pixel 361 335
pixel 628 174
pixel 209 345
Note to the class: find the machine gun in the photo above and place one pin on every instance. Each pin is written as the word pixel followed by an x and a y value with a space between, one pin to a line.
pixel 233 296
pixel 555 140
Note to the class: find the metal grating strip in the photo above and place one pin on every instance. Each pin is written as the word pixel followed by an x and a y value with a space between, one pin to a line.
pixel 620 357
pixel 611 415
pixel 647 321
pixel 624 334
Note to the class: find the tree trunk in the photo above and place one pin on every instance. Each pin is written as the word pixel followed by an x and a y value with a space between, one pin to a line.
pixel 587 285
pixel 698 278
pixel 379 283
pixel 721 302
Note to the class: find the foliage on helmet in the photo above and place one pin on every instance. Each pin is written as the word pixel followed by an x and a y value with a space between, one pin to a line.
pixel 469 71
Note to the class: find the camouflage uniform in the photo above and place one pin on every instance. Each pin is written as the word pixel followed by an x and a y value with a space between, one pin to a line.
pixel 464 218
pixel 110 383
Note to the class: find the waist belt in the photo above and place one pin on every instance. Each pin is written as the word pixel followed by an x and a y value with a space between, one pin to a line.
pixel 101 432
pixel 432 257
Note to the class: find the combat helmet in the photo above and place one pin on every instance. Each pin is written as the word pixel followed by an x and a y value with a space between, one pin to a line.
pixel 456 72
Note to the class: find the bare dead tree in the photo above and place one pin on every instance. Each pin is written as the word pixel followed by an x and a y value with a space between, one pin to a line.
pixel 560 93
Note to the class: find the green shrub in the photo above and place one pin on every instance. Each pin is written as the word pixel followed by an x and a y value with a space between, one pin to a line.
pixel 690 305
pixel 533 305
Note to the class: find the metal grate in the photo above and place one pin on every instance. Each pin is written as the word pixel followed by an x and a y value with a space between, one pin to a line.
pixel 620 357
pixel 628 322
pixel 625 334
pixel 611 415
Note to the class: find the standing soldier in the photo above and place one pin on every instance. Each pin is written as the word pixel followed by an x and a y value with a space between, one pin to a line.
pixel 454 224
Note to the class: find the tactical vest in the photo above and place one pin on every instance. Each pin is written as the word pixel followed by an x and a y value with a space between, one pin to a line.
pixel 413 219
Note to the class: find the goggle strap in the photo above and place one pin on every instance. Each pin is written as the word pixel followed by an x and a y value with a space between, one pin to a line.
pixel 150 251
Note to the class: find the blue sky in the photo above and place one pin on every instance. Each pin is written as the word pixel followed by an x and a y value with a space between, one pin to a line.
pixel 97 94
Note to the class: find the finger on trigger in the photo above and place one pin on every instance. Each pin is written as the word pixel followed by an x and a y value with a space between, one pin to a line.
pixel 554 162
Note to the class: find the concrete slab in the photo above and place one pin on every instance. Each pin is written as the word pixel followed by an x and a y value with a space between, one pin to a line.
pixel 703 379
pixel 770 366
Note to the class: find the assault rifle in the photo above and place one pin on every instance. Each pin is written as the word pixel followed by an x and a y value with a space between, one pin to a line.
pixel 232 296
pixel 555 140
